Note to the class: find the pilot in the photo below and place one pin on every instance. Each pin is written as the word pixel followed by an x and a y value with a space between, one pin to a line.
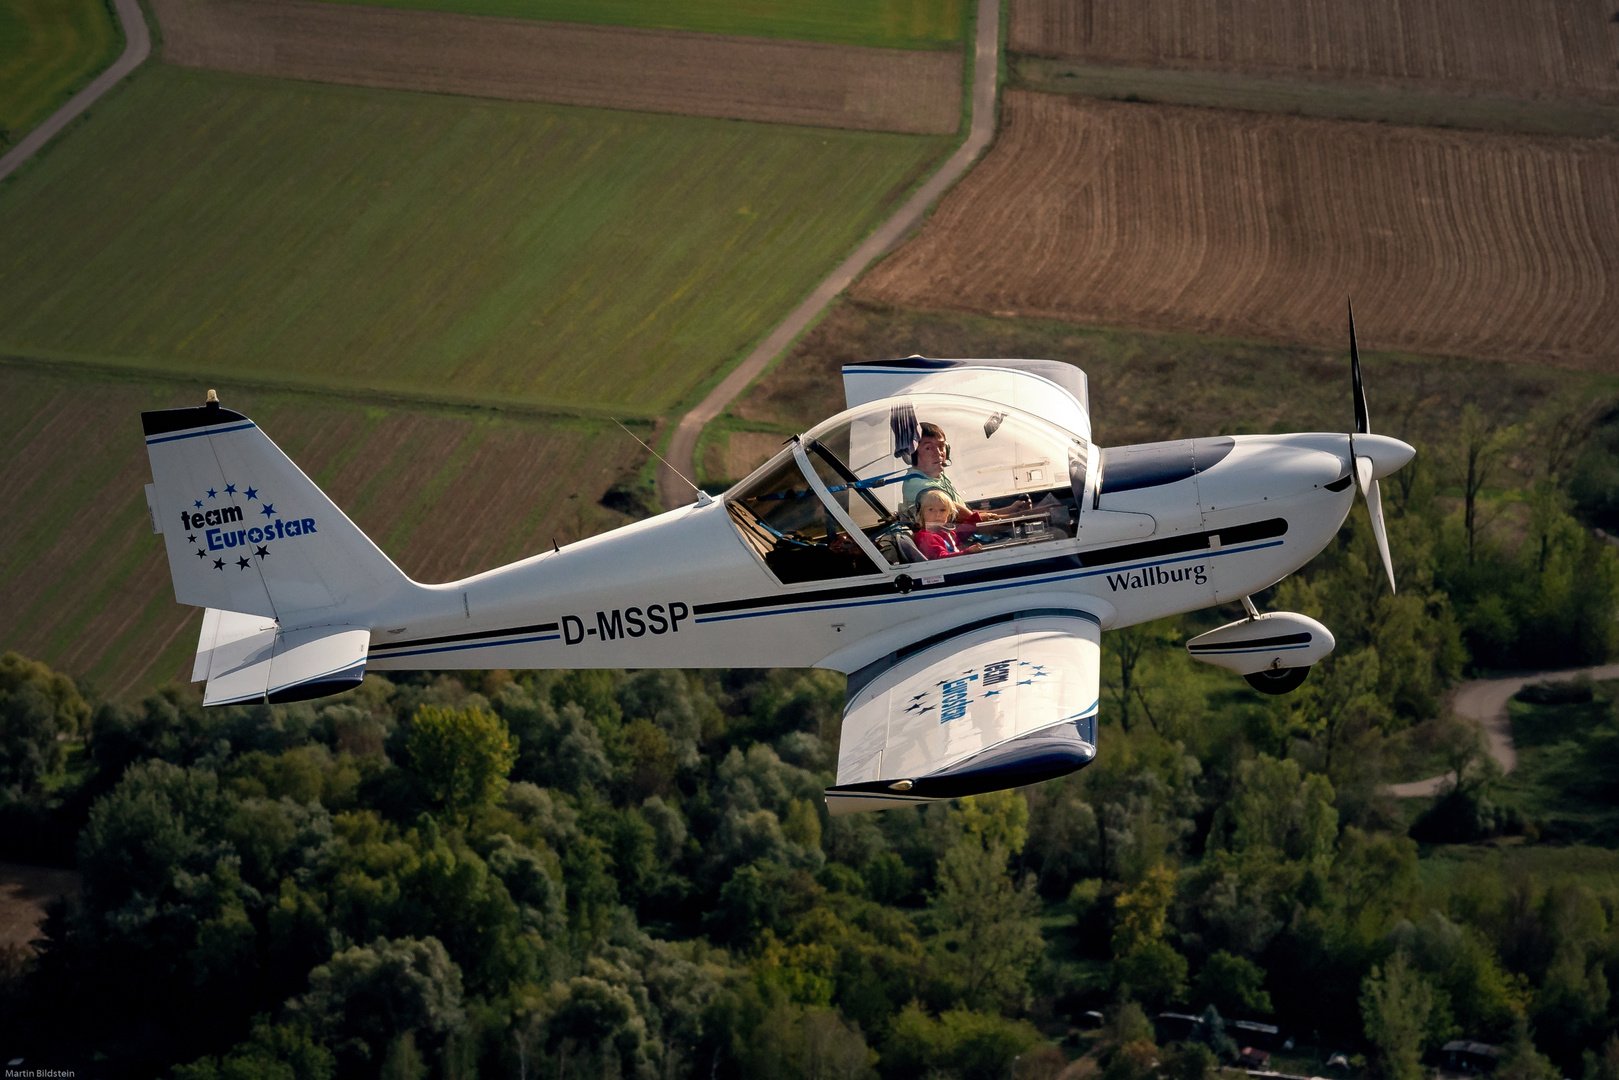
pixel 937 535
pixel 932 452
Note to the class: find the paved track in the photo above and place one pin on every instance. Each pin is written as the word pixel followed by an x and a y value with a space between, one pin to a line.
pixel 1485 702
pixel 137 47
pixel 672 490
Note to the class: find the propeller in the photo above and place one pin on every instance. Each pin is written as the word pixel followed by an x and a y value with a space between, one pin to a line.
pixel 1373 455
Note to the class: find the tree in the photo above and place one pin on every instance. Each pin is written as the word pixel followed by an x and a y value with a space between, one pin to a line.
pixel 364 999
pixel 1233 985
pixel 1394 1003
pixel 36 705
pixel 1480 444
pixel 463 755
pixel 272 1052
pixel 987 938
pixel 1277 808
pixel 969 1045
pixel 797 1043
pixel 1143 961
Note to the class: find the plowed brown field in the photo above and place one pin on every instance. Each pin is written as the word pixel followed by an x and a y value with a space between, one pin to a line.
pixel 736 78
pixel 1556 47
pixel 1243 225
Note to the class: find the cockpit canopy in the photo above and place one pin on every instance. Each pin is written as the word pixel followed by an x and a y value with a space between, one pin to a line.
pixel 839 501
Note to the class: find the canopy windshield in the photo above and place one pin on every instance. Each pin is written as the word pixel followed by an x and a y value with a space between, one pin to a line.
pixel 992 454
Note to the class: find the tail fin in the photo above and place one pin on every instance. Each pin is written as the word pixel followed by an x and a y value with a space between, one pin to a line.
pixel 247 531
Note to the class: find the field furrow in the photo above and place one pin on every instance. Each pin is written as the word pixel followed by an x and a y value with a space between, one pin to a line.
pixel 1247 225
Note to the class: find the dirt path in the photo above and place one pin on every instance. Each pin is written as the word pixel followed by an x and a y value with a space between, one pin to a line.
pixel 1484 701
pixel 672 490
pixel 137 47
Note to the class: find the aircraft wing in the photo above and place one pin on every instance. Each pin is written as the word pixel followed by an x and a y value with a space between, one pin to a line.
pixel 997 704
pixel 1050 390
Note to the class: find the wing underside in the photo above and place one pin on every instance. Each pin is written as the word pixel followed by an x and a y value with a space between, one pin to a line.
pixel 995 706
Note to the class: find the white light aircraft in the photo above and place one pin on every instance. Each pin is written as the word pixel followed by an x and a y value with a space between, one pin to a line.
pixel 969 672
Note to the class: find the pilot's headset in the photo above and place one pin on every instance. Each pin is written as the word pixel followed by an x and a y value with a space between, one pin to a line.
pixel 933 431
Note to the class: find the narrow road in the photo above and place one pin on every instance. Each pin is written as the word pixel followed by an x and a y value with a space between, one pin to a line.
pixel 1485 702
pixel 672 490
pixel 137 47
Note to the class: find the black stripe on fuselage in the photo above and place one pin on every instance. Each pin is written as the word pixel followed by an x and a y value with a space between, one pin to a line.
pixel 474 636
pixel 1255 643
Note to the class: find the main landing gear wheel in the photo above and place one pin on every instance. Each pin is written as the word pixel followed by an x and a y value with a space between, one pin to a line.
pixel 1278 680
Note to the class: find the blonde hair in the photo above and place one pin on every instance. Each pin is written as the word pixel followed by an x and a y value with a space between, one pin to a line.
pixel 936 494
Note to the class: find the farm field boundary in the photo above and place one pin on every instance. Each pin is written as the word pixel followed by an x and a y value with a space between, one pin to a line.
pixel 84 583
pixel 1326 100
pixel 426 245
pixel 1527 48
pixel 790 82
pixel 1253 226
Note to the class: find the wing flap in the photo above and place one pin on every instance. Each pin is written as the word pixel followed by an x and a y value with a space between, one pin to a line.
pixel 998 706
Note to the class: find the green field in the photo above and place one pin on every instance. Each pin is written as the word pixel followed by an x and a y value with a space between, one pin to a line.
pixel 451 247
pixel 84 584
pixel 49 49
pixel 894 24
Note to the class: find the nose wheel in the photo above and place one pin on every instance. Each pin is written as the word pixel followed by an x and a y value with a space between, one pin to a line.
pixel 1278 680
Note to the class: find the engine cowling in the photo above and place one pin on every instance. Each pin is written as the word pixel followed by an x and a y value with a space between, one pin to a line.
pixel 1272 642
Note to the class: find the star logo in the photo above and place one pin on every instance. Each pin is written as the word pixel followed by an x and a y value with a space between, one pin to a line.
pixel 201 554
pixel 219 564
pixel 252 493
pixel 268 510
pixel 191 539
pixel 262 551
pixel 243 563
pixel 212 493
pixel 198 504
pixel 230 489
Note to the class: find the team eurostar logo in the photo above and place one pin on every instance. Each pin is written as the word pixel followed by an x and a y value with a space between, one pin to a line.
pixel 225 527
pixel 956 694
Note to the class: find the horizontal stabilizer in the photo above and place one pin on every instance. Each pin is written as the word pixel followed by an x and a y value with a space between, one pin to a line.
pixel 998 705
pixel 248 658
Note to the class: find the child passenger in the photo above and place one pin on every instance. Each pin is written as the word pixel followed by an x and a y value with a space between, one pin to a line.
pixel 937 535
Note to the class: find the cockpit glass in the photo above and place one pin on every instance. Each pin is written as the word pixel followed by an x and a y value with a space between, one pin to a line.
pixel 878 459
pixel 794 532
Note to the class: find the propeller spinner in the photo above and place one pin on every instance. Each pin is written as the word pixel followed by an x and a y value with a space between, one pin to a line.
pixel 1375 456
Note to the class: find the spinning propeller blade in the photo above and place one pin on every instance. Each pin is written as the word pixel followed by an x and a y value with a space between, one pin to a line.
pixel 1365 475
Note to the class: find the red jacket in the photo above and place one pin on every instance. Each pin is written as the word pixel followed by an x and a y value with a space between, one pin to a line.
pixel 937 544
